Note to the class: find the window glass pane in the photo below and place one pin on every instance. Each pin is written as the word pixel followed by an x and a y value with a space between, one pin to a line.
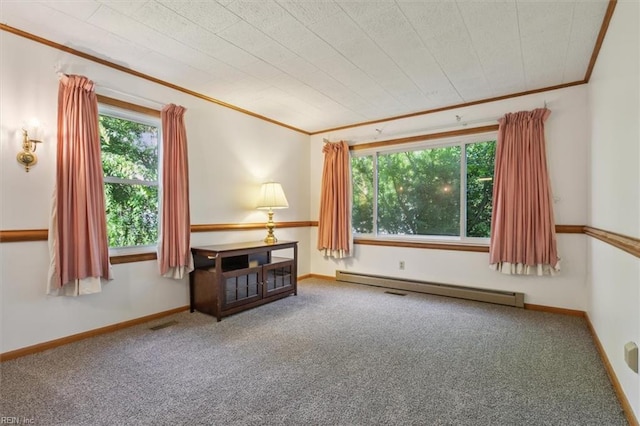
pixel 129 149
pixel 132 214
pixel 362 188
pixel 130 154
pixel 480 164
pixel 419 192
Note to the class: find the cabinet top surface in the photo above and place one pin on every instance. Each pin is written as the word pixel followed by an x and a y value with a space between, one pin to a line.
pixel 245 246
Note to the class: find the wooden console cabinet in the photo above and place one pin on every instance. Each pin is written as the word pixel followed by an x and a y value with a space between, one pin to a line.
pixel 229 278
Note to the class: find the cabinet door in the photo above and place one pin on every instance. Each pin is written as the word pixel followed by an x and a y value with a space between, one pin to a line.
pixel 241 286
pixel 279 278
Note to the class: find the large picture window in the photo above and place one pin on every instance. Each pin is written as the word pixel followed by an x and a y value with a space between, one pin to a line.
pixel 129 144
pixel 440 190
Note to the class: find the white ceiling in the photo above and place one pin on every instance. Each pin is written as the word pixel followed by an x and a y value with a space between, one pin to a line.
pixel 321 64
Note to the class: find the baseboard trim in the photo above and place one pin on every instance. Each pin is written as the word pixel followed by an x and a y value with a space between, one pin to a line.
pixel 554 310
pixel 626 407
pixel 40 347
pixel 322 277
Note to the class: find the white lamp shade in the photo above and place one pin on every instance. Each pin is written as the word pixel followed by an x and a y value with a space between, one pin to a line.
pixel 272 196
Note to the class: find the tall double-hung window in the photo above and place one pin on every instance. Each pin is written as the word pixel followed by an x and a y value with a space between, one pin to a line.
pixel 440 189
pixel 129 145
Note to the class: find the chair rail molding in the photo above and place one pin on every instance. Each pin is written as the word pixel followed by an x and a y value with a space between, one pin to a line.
pixel 623 242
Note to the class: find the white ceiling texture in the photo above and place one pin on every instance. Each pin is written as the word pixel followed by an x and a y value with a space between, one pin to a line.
pixel 320 64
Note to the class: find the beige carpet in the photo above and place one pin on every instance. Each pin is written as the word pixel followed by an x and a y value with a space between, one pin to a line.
pixel 336 354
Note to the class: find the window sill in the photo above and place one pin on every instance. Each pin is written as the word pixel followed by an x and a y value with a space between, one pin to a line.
pixel 433 245
pixel 132 254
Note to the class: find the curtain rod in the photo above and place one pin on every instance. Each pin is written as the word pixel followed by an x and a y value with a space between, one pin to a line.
pixel 459 123
pixel 61 74
pixel 108 89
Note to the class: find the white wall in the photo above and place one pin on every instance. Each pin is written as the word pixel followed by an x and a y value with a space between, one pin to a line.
pixel 567 145
pixel 614 204
pixel 230 154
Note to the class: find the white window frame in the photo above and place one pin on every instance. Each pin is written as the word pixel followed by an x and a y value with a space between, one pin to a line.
pixel 130 115
pixel 415 146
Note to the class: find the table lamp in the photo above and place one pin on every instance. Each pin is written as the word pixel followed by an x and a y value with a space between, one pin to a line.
pixel 271 197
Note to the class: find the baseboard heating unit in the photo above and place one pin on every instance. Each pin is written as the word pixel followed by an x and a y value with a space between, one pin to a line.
pixel 478 294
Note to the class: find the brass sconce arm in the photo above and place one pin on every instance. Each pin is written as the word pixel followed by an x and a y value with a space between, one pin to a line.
pixel 27 156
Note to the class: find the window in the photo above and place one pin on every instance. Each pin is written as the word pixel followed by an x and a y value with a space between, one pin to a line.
pixel 129 144
pixel 441 190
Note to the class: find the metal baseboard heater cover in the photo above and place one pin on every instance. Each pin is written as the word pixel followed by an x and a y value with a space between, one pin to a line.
pixel 478 294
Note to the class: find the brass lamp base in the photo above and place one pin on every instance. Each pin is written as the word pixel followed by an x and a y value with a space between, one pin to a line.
pixel 270 238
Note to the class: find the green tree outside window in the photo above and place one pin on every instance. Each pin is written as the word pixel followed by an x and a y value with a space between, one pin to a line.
pixel 419 191
pixel 130 166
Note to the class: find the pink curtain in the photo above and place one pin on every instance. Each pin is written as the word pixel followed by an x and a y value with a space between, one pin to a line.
pixel 78 237
pixel 174 251
pixel 334 222
pixel 523 238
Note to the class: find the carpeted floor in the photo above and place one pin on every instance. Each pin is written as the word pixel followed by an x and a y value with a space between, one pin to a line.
pixel 336 354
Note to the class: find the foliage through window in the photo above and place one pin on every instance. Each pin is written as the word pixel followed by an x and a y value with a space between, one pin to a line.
pixel 441 191
pixel 129 145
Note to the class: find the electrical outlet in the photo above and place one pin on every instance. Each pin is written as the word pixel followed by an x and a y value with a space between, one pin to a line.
pixel 401 265
pixel 631 356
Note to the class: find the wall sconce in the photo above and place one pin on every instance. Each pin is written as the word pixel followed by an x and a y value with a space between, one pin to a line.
pixel 271 197
pixel 27 157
